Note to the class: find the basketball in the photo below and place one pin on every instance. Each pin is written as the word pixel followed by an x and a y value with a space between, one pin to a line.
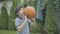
pixel 30 12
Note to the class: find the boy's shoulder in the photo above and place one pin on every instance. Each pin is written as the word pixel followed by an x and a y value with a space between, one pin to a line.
pixel 17 18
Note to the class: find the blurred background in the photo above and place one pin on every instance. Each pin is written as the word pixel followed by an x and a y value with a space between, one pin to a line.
pixel 47 16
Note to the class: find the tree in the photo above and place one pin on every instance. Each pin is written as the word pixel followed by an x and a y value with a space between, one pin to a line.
pixel 57 8
pixel 50 24
pixel 12 16
pixel 4 19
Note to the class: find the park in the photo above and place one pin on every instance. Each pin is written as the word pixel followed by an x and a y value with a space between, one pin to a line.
pixel 47 16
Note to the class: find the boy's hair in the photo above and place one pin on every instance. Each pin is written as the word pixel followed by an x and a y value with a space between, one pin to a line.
pixel 18 8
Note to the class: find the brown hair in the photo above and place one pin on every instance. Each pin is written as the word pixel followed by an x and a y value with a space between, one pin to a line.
pixel 17 9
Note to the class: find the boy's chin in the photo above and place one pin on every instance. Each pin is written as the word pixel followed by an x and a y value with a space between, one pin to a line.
pixel 22 17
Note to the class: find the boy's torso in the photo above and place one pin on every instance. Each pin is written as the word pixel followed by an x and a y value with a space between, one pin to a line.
pixel 25 30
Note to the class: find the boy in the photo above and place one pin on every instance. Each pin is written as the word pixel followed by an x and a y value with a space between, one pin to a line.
pixel 21 22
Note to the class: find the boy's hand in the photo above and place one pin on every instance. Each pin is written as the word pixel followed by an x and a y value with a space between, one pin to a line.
pixel 25 18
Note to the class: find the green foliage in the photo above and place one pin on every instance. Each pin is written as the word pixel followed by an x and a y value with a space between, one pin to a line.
pixel 34 3
pixel 12 16
pixel 50 24
pixel 4 19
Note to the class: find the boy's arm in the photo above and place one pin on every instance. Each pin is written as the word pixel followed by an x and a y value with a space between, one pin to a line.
pixel 33 23
pixel 19 28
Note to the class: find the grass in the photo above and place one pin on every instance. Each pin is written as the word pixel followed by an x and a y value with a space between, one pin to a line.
pixel 11 32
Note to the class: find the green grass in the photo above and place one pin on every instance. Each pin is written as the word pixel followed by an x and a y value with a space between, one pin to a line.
pixel 11 32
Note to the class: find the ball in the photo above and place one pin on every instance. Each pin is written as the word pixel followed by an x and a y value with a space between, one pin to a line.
pixel 30 12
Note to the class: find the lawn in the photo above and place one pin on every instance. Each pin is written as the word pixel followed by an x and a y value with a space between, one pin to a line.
pixel 11 32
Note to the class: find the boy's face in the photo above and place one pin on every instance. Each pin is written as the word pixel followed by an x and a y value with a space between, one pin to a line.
pixel 21 12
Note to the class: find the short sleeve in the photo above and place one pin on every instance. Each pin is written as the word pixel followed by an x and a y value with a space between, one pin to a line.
pixel 29 21
pixel 17 22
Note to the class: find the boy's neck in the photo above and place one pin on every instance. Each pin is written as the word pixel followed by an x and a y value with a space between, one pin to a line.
pixel 19 17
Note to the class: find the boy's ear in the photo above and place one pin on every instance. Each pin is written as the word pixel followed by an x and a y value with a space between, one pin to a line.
pixel 17 14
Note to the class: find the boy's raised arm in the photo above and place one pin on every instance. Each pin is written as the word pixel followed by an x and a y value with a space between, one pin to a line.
pixel 33 23
pixel 19 28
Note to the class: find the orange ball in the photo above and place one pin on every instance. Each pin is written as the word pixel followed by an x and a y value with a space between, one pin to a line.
pixel 30 12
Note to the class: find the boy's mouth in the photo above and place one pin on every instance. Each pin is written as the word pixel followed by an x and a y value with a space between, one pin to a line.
pixel 21 16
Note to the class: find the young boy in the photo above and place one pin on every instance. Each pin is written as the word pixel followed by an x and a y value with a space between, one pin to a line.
pixel 21 22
